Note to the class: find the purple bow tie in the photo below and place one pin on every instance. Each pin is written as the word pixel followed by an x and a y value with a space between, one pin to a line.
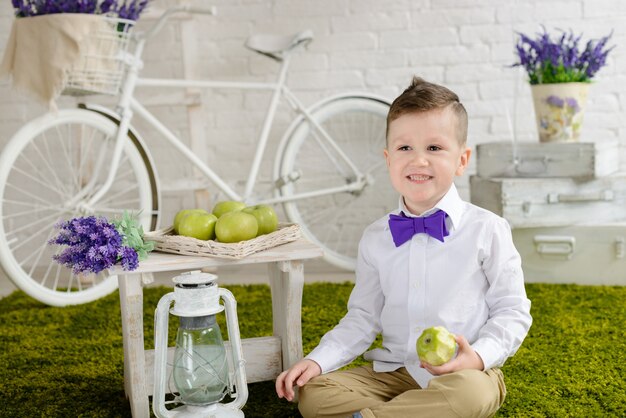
pixel 403 227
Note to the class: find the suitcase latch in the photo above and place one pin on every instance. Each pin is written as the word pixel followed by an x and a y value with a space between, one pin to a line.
pixel 620 247
pixel 601 196
pixel 555 245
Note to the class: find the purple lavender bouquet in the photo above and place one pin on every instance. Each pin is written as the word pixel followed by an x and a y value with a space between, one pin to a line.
pixel 125 9
pixel 561 60
pixel 95 244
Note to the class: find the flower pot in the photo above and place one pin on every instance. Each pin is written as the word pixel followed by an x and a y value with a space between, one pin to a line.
pixel 559 110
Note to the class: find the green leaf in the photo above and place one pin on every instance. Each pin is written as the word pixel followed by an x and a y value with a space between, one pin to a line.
pixel 132 233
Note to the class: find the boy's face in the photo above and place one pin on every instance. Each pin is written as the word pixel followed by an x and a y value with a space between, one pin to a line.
pixel 423 156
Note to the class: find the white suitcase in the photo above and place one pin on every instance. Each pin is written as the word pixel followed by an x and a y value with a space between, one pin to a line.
pixel 580 160
pixel 582 254
pixel 537 202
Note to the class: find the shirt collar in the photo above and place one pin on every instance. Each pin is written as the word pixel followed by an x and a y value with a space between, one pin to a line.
pixel 451 203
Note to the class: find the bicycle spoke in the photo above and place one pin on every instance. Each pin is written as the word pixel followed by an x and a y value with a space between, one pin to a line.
pixel 377 167
pixel 84 152
pixel 30 212
pixel 27 204
pixel 57 277
pixel 30 237
pixel 33 196
pixel 40 253
pixel 319 215
pixel 129 203
pixel 44 278
pixel 329 154
pixel 67 152
pixel 123 204
pixel 47 165
pixel 76 279
pixel 46 184
pixel 116 197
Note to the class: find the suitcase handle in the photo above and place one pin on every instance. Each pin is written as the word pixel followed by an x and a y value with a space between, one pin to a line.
pixel 531 166
pixel 555 245
pixel 603 196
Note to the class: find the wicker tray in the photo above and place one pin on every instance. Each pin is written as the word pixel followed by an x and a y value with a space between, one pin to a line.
pixel 166 242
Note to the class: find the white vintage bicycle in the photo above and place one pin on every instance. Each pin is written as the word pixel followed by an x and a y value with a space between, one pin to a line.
pixel 328 172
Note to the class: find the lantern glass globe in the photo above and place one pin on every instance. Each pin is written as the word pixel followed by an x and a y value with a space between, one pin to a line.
pixel 200 366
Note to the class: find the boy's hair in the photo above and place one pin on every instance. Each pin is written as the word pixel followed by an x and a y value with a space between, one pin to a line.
pixel 422 96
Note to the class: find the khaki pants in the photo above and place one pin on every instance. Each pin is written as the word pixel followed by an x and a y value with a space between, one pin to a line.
pixel 467 393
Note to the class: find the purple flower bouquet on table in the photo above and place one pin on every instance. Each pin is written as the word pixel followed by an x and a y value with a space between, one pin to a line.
pixel 95 244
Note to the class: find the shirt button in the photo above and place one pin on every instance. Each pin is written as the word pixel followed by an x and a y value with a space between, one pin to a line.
pixel 416 285
pixel 418 330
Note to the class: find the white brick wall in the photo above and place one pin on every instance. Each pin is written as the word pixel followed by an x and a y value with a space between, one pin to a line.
pixel 367 45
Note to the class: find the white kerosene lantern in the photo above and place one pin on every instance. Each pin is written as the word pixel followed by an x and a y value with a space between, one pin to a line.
pixel 200 370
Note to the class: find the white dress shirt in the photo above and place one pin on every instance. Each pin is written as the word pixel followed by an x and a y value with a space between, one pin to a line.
pixel 472 284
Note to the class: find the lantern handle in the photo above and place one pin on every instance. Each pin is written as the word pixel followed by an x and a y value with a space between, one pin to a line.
pixel 161 317
pixel 236 352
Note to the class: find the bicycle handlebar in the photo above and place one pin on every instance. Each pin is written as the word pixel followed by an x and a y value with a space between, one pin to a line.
pixel 172 10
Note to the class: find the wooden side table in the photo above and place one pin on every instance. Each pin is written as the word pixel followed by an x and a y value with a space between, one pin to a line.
pixel 265 357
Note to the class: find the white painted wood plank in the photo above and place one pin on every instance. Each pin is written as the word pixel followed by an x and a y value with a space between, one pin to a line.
pixel 287 283
pixel 131 304
pixel 157 262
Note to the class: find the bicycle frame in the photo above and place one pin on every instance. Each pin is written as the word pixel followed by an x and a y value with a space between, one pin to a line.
pixel 128 105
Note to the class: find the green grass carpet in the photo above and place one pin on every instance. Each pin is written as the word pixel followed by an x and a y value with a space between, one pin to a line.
pixel 68 362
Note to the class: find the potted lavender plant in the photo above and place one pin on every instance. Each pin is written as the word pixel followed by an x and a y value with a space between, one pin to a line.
pixel 559 73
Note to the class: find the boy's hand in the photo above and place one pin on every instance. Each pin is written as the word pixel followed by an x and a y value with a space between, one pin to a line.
pixel 299 374
pixel 466 358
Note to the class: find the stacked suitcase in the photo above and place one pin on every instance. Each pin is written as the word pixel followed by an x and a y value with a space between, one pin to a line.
pixel 566 204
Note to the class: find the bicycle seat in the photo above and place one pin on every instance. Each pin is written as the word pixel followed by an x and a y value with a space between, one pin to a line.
pixel 277 46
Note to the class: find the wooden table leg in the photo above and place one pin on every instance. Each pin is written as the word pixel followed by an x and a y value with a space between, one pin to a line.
pixel 131 303
pixel 286 283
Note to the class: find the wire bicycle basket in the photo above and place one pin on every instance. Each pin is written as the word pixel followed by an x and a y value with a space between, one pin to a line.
pixel 101 66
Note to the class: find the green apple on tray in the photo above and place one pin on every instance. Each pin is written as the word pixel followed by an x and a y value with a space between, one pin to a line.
pixel 229 221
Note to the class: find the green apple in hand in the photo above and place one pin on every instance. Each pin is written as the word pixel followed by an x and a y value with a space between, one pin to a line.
pixel 436 346
pixel 236 226
pixel 198 225
pixel 265 217
pixel 182 213
pixel 226 206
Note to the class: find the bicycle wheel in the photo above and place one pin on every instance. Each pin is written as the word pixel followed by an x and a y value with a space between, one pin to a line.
pixel 336 221
pixel 48 171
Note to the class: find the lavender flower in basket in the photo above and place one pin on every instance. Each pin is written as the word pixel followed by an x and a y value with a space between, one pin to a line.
pixel 125 9
pixel 559 71
pixel 95 244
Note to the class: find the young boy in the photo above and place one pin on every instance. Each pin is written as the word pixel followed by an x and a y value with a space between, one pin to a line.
pixel 459 270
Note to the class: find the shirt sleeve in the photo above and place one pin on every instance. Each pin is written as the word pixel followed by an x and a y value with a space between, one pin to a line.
pixel 509 308
pixel 359 327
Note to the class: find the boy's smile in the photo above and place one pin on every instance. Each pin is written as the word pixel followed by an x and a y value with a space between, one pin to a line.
pixel 423 156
